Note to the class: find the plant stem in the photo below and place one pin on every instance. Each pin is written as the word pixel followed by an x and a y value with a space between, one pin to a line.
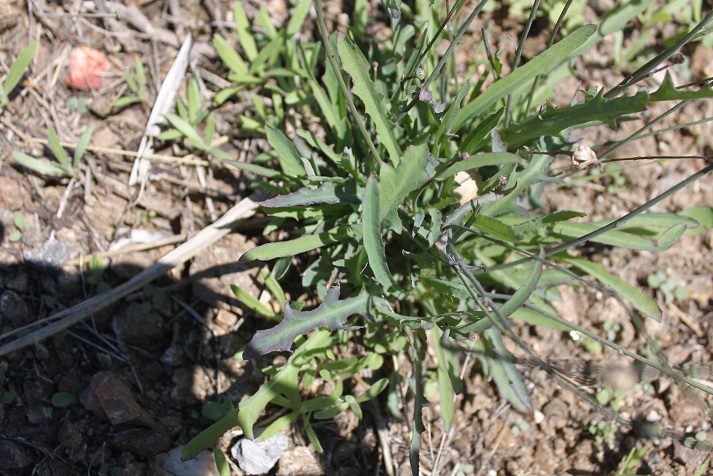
pixel 337 72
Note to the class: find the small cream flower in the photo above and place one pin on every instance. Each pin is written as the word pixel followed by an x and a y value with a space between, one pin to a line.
pixel 584 157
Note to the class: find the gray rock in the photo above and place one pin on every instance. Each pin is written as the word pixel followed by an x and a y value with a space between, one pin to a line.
pixel 52 253
pixel 259 457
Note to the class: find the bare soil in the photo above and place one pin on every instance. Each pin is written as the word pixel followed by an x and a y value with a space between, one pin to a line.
pixel 142 369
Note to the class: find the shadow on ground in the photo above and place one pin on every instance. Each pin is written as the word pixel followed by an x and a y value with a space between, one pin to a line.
pixel 115 392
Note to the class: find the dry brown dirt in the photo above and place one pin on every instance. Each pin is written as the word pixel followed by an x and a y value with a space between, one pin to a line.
pixel 143 367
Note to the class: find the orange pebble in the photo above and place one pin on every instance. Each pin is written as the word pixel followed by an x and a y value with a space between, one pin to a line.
pixel 86 68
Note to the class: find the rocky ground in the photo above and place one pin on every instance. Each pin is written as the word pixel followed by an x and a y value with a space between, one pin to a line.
pixel 120 392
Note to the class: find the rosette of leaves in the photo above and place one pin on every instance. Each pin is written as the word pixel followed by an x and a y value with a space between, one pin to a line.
pixel 395 255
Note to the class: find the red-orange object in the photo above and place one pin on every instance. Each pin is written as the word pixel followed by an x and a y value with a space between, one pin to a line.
pixel 86 68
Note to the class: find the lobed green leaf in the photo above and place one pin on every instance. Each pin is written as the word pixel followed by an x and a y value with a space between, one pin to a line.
pixel 332 314
pixel 356 66
pixel 327 193
pixel 668 92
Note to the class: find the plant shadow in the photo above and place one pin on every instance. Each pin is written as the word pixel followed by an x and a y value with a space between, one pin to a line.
pixel 139 375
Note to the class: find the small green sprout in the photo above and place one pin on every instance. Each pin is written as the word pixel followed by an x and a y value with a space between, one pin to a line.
pixel 137 85
pixel 63 167
pixel 17 71
pixel 19 222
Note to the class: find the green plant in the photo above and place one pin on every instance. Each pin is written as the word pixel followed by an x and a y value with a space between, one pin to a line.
pixel 704 465
pixel 109 470
pixel 192 116
pixel 632 459
pixel 63 167
pixel 18 220
pixel 268 57
pixel 603 432
pixel 63 399
pixel 15 74
pixel 606 395
pixel 215 411
pixel 154 298
pixel 96 275
pixel 378 231
pixel 137 86
pixel 664 283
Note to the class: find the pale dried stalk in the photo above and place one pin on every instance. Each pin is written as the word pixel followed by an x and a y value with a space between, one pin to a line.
pixel 204 238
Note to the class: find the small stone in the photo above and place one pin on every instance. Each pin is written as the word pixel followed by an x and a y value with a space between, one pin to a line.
pixel 50 254
pixel 172 356
pixel 299 460
pixel 13 308
pixel 684 454
pixel 14 456
pixel 259 457
pixel 13 195
pixel 201 465
pixel 226 320
pixel 105 361
pixel 70 436
pixel 134 327
pixel 601 6
pixel 545 459
pixel 109 398
pixel 38 414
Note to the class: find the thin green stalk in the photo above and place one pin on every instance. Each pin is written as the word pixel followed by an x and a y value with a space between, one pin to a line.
pixel 616 223
pixel 489 54
pixel 560 19
pixel 445 57
pixel 417 357
pixel 518 53
pixel 649 67
pixel 456 7
pixel 347 94
pixel 624 351
pixel 672 128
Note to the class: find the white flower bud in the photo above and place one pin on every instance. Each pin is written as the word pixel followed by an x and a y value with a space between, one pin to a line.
pixel 584 157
